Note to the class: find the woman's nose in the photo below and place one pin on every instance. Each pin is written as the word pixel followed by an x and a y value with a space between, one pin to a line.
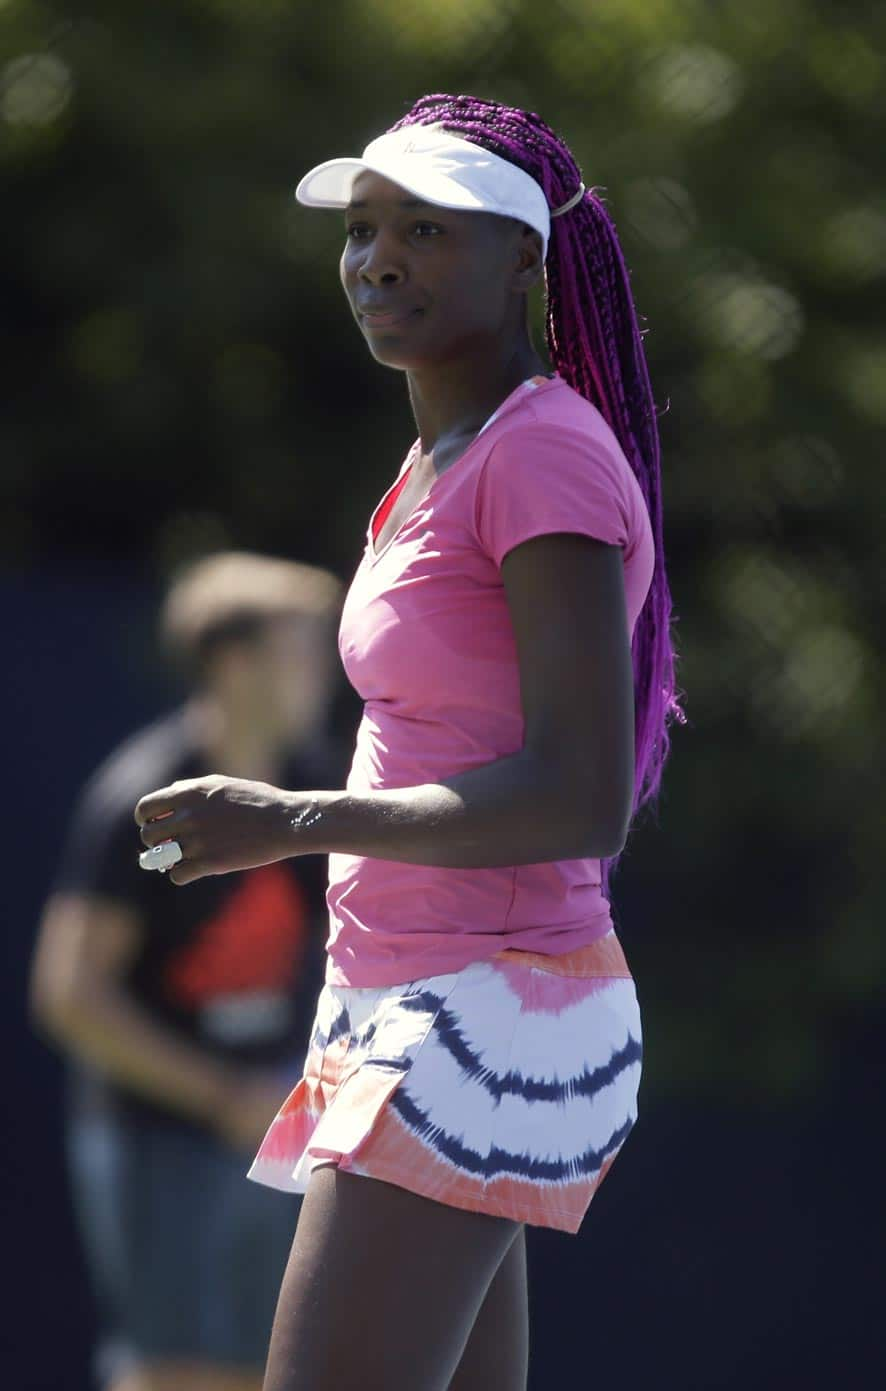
pixel 379 266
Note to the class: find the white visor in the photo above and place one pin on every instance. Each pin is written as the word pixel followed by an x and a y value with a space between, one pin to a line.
pixel 439 168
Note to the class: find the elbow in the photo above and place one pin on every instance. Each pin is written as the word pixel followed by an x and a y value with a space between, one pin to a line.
pixel 585 838
pixel 57 1009
pixel 594 836
pixel 46 1017
pixel 616 838
pixel 49 1011
pixel 616 844
pixel 599 846
pixel 41 997
pixel 592 821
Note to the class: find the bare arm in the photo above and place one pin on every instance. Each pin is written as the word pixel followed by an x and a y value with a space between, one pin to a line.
pixel 566 794
pixel 79 997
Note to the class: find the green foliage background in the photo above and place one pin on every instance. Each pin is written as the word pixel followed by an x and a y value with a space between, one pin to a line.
pixel 181 373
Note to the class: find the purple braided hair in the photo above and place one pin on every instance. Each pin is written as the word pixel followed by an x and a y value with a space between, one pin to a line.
pixel 596 346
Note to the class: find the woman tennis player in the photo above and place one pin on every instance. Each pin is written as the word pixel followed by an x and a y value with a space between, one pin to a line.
pixel 477 1047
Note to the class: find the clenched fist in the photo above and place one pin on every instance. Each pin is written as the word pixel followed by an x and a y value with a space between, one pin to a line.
pixel 224 824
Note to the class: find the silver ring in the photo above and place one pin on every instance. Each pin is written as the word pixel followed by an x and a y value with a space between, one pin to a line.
pixel 162 856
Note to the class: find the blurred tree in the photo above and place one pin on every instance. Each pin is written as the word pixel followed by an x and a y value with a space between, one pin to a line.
pixel 181 372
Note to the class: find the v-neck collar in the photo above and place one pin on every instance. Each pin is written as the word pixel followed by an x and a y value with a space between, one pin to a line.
pixel 529 384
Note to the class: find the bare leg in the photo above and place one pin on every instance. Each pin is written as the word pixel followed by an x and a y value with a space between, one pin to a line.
pixel 497 1355
pixel 382 1288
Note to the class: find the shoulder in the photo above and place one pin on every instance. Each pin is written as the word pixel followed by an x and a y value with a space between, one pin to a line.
pixel 555 439
pixel 561 427
pixel 555 470
pixel 557 462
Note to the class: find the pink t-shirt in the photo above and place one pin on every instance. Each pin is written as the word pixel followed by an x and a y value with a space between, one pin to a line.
pixel 427 642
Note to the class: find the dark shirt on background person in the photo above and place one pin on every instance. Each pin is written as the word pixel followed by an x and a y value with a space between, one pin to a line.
pixel 233 963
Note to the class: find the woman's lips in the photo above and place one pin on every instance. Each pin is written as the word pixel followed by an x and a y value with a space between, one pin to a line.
pixel 390 317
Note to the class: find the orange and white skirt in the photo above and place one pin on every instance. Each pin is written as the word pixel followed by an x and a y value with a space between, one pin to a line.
pixel 507 1087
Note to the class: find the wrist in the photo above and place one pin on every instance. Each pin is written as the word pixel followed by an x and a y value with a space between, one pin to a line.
pixel 305 822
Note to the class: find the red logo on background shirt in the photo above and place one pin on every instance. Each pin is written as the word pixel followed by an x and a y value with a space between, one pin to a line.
pixel 254 942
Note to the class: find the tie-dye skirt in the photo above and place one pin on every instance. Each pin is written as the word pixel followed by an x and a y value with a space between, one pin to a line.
pixel 507 1087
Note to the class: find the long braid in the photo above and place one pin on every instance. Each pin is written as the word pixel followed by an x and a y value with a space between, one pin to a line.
pixel 596 346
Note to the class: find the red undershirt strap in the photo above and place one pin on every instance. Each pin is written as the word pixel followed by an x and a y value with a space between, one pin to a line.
pixel 384 510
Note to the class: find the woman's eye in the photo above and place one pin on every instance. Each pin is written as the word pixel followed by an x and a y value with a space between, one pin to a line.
pixel 361 231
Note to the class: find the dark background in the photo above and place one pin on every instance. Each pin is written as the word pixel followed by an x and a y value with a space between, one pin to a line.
pixel 180 372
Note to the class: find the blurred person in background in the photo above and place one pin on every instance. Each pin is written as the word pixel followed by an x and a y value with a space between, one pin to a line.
pixel 185 1016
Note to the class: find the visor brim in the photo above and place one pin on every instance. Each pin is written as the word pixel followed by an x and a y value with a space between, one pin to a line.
pixel 329 185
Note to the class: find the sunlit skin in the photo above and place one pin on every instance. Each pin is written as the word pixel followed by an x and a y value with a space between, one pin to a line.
pixel 456 284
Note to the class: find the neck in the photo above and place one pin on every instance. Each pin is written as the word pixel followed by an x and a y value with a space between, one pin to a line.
pixel 458 397
pixel 234 743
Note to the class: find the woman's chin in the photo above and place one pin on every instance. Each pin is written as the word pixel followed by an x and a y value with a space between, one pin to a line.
pixel 398 356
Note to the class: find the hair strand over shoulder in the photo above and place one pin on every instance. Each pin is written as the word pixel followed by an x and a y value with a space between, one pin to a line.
pixel 596 346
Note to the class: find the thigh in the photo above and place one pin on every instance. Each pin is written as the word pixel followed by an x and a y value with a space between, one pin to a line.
pixel 497 1354
pixel 382 1288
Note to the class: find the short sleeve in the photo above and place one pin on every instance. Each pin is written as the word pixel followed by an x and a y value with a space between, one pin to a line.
pixel 542 479
pixel 100 851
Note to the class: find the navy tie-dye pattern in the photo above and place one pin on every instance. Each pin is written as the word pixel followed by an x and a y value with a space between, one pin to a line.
pixel 531 1088
pixel 473 1089
pixel 499 1161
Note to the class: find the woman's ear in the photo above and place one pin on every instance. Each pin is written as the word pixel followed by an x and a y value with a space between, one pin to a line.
pixel 530 261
